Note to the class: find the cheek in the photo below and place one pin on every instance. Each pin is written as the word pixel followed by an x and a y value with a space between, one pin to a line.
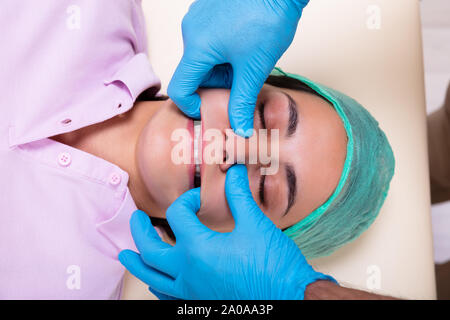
pixel 149 165
pixel 214 107
pixel 214 211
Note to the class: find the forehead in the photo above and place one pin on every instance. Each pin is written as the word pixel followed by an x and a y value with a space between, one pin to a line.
pixel 317 152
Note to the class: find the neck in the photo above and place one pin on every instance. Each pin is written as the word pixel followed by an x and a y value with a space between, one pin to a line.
pixel 115 140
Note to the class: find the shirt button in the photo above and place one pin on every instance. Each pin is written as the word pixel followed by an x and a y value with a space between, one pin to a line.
pixel 114 179
pixel 64 159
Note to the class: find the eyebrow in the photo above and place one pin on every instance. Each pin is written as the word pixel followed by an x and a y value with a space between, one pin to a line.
pixel 292 186
pixel 293 116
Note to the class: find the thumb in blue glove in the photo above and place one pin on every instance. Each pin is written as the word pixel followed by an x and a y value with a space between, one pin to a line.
pixel 254 261
pixel 249 37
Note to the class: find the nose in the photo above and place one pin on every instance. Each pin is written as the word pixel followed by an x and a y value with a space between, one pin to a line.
pixel 239 150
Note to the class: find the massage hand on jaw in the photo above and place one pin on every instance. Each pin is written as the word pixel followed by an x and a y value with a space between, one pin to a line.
pixel 227 265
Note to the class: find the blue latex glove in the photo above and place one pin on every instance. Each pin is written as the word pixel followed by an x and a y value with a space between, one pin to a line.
pixel 255 261
pixel 246 39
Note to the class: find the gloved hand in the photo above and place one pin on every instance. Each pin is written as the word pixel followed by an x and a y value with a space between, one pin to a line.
pixel 245 39
pixel 254 261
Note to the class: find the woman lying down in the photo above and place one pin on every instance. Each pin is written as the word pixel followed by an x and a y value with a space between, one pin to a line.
pixel 80 153
pixel 333 169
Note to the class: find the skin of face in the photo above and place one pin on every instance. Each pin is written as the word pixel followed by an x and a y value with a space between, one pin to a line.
pixel 139 141
pixel 315 153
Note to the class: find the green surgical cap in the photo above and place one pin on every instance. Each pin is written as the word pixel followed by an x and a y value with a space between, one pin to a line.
pixel 363 186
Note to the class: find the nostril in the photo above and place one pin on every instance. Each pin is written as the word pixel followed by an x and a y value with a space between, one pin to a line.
pixel 225 157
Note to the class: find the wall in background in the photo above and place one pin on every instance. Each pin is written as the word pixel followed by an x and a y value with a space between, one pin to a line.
pixel 436 42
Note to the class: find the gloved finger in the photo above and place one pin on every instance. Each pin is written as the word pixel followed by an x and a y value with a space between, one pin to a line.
pixel 182 215
pixel 154 252
pixel 144 234
pixel 244 209
pixel 161 296
pixel 187 78
pixel 152 277
pixel 247 83
pixel 221 76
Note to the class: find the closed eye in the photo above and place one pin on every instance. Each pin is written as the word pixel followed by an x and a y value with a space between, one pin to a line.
pixel 261 115
pixel 263 177
pixel 261 189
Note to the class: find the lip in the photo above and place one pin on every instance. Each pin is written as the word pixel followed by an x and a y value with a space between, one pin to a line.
pixel 202 167
pixel 191 167
pixel 201 146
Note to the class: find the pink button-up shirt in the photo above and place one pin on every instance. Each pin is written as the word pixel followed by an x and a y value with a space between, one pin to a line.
pixel 65 213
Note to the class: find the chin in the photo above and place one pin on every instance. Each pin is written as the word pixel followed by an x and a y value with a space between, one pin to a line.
pixel 164 180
